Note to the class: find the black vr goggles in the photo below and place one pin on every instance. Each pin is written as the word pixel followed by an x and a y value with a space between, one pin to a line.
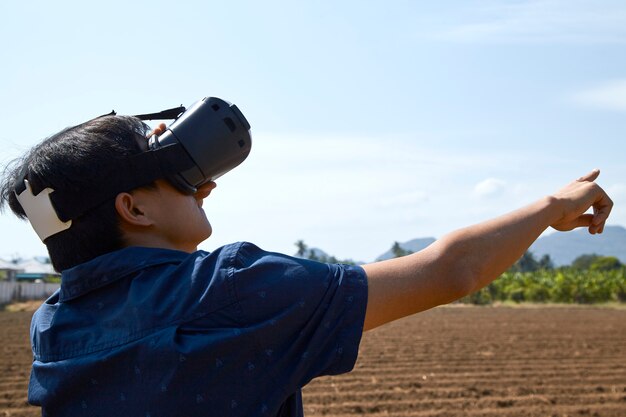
pixel 202 144
pixel 214 135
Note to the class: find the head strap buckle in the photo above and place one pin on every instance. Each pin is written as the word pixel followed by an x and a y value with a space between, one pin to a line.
pixel 40 212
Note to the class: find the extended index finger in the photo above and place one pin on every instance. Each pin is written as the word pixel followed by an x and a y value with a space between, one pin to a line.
pixel 591 176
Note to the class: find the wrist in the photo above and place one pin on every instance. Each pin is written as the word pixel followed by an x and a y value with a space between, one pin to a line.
pixel 554 207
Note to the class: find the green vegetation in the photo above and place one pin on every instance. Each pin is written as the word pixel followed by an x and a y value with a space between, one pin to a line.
pixel 52 279
pixel 565 285
pixel 590 279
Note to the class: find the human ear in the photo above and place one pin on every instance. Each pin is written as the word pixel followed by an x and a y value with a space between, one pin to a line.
pixel 129 209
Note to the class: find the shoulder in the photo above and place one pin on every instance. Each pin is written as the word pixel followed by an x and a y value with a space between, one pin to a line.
pixel 278 281
pixel 252 263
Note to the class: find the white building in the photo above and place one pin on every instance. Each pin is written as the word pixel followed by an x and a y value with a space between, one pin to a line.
pixel 27 270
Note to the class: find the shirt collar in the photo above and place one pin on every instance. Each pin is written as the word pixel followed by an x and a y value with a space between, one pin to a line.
pixel 111 267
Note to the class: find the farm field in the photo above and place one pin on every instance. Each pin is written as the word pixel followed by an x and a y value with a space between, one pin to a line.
pixel 485 361
pixel 450 361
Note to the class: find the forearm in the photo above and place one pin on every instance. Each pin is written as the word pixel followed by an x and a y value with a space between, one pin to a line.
pixel 480 253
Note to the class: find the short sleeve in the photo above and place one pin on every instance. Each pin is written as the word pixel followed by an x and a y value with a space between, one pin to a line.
pixel 307 316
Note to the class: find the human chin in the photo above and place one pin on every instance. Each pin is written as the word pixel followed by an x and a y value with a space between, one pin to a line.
pixel 209 230
pixel 205 230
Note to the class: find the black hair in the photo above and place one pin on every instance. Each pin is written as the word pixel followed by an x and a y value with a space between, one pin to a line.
pixel 77 159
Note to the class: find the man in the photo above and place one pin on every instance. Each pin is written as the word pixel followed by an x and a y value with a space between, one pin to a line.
pixel 144 324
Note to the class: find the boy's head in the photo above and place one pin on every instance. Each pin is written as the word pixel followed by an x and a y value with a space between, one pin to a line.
pixel 82 160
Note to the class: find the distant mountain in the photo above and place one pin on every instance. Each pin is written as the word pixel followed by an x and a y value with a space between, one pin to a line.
pixel 414 245
pixel 563 248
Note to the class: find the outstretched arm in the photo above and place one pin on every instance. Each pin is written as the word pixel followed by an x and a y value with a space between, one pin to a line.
pixel 470 258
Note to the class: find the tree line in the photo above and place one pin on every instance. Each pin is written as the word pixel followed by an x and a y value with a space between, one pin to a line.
pixel 308 253
pixel 590 278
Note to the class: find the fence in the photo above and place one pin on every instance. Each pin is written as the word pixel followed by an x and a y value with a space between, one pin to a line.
pixel 22 291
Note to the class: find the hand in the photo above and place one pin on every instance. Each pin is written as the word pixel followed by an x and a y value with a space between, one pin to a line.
pixel 576 198
pixel 157 130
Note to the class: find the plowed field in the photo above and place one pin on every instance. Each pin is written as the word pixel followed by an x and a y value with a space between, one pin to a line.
pixel 484 361
pixel 453 361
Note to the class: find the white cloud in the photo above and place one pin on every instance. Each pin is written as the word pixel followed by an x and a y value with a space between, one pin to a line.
pixel 610 95
pixel 554 21
pixel 489 188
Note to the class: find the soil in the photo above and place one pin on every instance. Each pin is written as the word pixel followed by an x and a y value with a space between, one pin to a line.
pixel 451 361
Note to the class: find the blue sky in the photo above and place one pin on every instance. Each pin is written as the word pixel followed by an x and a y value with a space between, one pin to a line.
pixel 372 121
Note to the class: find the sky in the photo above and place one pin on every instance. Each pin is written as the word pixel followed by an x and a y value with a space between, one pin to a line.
pixel 372 121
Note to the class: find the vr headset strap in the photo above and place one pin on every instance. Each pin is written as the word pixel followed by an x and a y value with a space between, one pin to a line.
pixel 136 171
pixel 162 115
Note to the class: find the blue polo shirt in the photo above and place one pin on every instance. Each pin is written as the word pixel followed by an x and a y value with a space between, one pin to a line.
pixel 153 332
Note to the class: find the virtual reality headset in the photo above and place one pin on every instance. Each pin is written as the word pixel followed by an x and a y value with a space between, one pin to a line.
pixel 203 143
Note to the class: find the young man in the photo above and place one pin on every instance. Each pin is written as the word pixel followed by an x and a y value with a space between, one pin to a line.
pixel 146 325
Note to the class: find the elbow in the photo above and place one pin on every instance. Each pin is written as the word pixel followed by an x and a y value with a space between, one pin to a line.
pixel 462 270
pixel 464 284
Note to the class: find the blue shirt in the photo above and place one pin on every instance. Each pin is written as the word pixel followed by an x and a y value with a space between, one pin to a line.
pixel 154 332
